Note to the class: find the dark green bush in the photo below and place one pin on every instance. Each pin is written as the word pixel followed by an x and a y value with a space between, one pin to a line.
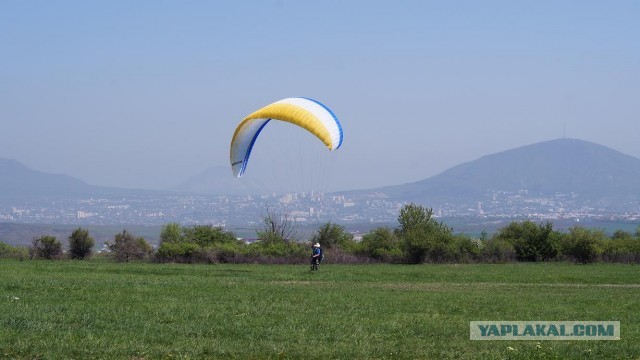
pixel 583 245
pixel 126 247
pixel 207 235
pixel 332 235
pixel 621 249
pixel 8 251
pixel 465 249
pixel 531 242
pixel 382 244
pixel 497 250
pixel 279 248
pixel 45 246
pixel 177 252
pixel 80 244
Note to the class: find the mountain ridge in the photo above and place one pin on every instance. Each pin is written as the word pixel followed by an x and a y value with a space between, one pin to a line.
pixel 19 182
pixel 560 165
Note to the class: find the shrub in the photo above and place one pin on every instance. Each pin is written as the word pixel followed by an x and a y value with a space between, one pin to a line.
pixel 583 245
pixel 330 235
pixel 530 241
pixel 497 250
pixel 8 251
pixel 199 243
pixel 465 249
pixel 182 252
pixel 171 232
pixel 207 235
pixel 80 244
pixel 127 247
pixel 624 250
pixel 45 246
pixel 430 243
pixel 423 238
pixel 230 253
pixel 279 248
pixel 381 244
pixel 412 217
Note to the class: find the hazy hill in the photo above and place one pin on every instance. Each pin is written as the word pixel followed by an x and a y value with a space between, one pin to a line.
pixel 18 182
pixel 562 165
pixel 219 180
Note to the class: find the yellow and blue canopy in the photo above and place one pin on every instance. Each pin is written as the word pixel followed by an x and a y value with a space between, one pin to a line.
pixel 304 112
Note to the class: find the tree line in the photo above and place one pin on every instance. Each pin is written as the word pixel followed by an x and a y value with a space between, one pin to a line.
pixel 418 238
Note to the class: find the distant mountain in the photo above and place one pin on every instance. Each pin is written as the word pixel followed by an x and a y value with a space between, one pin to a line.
pixel 18 182
pixel 557 166
pixel 593 172
pixel 219 180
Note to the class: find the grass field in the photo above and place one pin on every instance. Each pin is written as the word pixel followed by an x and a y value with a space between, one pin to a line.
pixel 98 309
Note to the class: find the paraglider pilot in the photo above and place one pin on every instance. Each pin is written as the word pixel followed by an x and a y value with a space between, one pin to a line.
pixel 316 256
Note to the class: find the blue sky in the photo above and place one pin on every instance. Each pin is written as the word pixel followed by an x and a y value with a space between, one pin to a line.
pixel 148 93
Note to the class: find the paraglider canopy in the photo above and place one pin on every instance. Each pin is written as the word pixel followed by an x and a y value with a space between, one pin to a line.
pixel 309 114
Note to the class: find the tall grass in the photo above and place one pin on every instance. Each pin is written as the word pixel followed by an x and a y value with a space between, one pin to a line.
pixel 99 309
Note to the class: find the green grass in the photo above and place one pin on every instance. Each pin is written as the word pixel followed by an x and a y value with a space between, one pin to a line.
pixel 98 309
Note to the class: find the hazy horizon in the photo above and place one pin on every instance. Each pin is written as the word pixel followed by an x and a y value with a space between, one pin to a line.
pixel 270 183
pixel 147 94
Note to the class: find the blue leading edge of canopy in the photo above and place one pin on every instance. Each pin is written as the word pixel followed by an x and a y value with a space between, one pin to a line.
pixel 332 114
pixel 246 156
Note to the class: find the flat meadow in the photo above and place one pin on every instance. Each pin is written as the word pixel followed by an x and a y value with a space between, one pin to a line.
pixel 98 309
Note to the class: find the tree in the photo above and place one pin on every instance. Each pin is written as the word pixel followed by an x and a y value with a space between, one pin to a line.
pixel 127 247
pixel 498 250
pixel 207 235
pixel 7 250
pixel 276 227
pixel 381 244
pixel 198 243
pixel 80 244
pixel 429 243
pixel 424 238
pixel 45 246
pixel 330 235
pixel 621 247
pixel 584 245
pixel 171 233
pixel 531 242
pixel 621 235
pixel 413 217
